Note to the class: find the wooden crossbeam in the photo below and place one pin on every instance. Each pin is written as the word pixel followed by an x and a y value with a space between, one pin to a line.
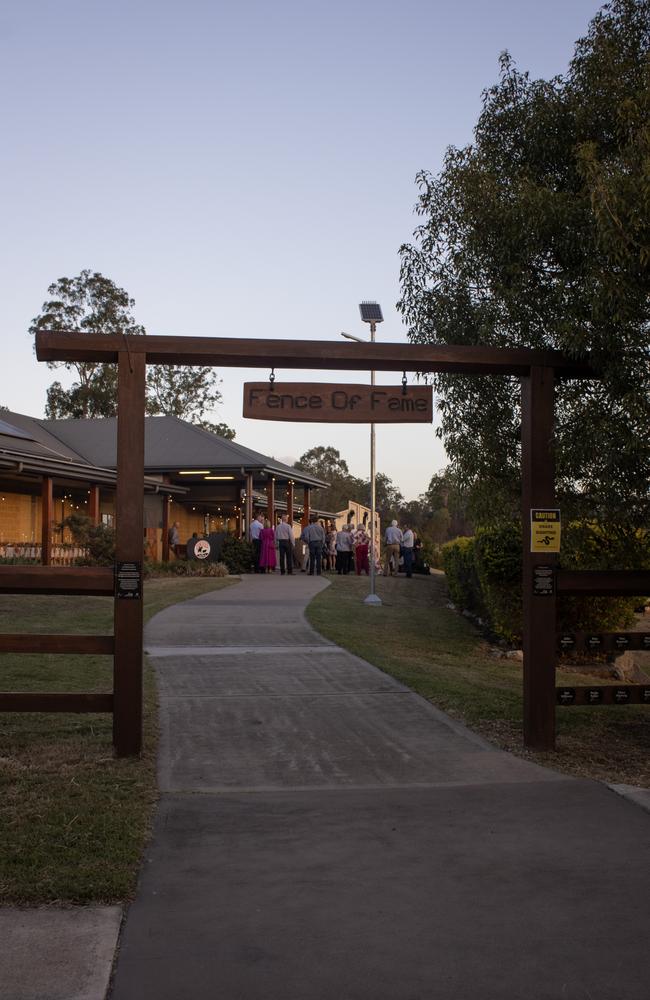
pixel 333 355
pixel 605 583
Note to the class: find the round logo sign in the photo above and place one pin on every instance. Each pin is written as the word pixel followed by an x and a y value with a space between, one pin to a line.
pixel 202 549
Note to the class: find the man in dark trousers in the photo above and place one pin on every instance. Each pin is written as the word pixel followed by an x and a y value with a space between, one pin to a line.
pixel 284 538
pixel 314 536
pixel 256 526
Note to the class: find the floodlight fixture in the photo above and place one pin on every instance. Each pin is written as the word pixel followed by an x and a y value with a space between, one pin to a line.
pixel 370 312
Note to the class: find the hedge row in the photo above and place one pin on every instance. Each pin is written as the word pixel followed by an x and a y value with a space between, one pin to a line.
pixel 484 577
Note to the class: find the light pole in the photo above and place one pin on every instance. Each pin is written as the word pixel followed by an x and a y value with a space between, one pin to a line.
pixel 370 313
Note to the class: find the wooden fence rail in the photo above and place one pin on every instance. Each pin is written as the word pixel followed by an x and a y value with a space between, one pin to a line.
pixel 59 581
pixel 93 581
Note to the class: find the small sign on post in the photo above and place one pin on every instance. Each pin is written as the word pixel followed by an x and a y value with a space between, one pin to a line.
pixel 545 528
pixel 543 581
pixel 128 580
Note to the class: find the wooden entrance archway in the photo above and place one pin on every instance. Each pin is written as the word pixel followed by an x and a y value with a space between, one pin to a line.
pixel 537 370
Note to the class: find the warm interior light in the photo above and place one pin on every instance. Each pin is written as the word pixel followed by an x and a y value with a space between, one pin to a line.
pixel 218 477
pixel 195 472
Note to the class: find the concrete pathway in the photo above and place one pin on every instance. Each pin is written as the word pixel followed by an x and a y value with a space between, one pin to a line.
pixel 57 953
pixel 325 834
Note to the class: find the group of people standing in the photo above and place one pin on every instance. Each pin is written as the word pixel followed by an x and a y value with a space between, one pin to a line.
pixel 401 546
pixel 319 547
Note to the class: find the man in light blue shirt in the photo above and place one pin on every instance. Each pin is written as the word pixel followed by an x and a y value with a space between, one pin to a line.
pixel 393 544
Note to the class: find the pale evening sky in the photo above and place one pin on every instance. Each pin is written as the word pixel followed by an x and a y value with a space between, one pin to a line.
pixel 243 170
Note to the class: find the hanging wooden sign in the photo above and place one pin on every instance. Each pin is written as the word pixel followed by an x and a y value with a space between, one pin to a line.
pixel 346 404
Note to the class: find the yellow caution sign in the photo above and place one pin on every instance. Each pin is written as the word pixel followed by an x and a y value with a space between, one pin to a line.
pixel 545 528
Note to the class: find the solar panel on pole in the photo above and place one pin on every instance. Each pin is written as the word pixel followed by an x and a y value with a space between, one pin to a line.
pixel 371 312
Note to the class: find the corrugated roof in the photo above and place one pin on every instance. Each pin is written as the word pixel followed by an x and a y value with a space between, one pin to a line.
pixel 36 450
pixel 170 443
pixel 36 431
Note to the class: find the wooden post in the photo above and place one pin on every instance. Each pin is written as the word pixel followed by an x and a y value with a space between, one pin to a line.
pixel 270 501
pixel 93 504
pixel 47 503
pixel 305 513
pixel 165 527
pixel 129 511
pixel 249 504
pixel 290 502
pixel 539 611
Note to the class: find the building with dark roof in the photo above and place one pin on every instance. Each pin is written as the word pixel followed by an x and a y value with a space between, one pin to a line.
pixel 205 483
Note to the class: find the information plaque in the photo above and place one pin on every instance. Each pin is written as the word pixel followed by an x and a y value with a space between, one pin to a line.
pixel 128 580
pixel 543 581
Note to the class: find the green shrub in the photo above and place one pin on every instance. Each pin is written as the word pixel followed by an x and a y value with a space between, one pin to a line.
pixel 484 576
pixel 237 554
pixel 497 559
pixel 431 553
pixel 462 579
pixel 97 539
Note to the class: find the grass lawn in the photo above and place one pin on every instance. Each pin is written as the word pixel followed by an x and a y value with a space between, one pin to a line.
pixel 415 638
pixel 73 818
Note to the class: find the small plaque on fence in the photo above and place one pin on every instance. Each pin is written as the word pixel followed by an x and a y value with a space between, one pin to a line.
pixel 645 641
pixel 594 643
pixel 566 696
pixel 621 641
pixel 543 581
pixel 594 696
pixel 567 642
pixel 645 696
pixel 128 580
pixel 621 696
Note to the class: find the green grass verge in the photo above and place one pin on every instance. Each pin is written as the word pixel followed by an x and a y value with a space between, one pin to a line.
pixel 415 638
pixel 74 819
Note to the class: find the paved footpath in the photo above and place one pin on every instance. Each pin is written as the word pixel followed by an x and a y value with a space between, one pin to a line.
pixel 325 834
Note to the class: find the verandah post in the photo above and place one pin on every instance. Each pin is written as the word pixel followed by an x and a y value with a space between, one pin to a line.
pixel 47 506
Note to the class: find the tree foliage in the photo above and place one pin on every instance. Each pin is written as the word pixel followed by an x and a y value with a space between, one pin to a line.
pixel 326 462
pixel 88 303
pixel 92 303
pixel 538 234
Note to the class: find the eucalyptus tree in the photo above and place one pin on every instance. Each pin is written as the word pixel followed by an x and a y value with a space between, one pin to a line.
pixel 91 303
pixel 537 234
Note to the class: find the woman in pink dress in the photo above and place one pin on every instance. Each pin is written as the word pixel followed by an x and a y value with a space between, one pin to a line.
pixel 267 548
